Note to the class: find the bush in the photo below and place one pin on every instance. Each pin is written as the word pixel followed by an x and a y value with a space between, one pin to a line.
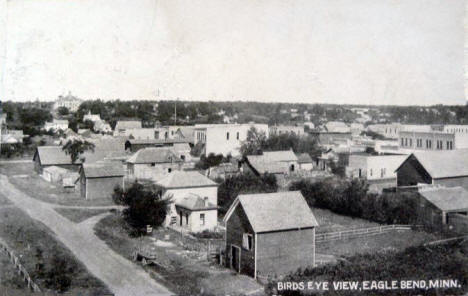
pixel 232 186
pixel 352 198
pixel 58 276
pixel 145 205
pixel 206 234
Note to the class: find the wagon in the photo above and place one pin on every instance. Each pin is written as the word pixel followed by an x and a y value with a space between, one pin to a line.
pixel 147 255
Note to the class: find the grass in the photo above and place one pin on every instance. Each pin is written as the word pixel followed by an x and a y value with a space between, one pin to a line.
pixel 9 278
pixel 34 243
pixel 79 215
pixel 182 271
pixel 23 176
pixel 391 241
pixel 330 222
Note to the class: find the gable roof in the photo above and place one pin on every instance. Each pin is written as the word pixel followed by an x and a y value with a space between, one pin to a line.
pixel 276 156
pixel 447 199
pixel 52 155
pixel 185 179
pixel 277 211
pixel 154 155
pixel 155 141
pixel 102 170
pixel 442 163
pixel 304 158
pixel 194 202
pixel 262 165
pixel 127 124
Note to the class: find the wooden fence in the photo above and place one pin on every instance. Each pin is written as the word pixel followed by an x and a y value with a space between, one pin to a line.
pixel 21 270
pixel 360 232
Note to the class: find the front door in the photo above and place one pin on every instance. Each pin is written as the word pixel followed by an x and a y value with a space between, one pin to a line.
pixel 235 258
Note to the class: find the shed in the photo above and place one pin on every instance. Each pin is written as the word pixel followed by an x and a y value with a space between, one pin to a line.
pixel 98 180
pixel 46 156
pixel 270 234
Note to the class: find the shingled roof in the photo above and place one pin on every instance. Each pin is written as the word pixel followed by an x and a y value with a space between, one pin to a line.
pixel 277 211
pixel 304 158
pixel 127 124
pixel 52 155
pixel 447 199
pixel 154 155
pixel 102 170
pixel 443 163
pixel 185 179
pixel 277 156
pixel 195 202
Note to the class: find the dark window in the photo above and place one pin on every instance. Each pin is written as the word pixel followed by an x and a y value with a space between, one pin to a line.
pixel 227 136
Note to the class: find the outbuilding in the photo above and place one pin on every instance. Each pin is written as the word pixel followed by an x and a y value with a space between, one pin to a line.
pixel 270 234
pixel 98 180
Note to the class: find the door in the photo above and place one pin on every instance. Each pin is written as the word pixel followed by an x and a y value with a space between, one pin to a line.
pixel 235 258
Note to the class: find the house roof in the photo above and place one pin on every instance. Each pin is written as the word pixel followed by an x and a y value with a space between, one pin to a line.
pixel 337 127
pixel 194 202
pixel 181 147
pixel 154 155
pixel 53 155
pixel 187 132
pixel 185 179
pixel 155 141
pixel 447 199
pixel 102 170
pixel 262 165
pixel 277 156
pixel 304 158
pixel 127 124
pixel 443 164
pixel 277 211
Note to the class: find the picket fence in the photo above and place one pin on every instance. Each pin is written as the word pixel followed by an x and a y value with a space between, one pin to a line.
pixel 360 232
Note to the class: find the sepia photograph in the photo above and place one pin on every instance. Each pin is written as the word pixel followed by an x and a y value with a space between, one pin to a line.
pixel 240 147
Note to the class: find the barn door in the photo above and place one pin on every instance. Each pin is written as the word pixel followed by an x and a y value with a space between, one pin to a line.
pixel 235 258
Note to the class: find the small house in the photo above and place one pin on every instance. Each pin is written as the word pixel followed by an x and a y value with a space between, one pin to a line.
pixel 195 200
pixel 305 162
pixel 46 156
pixel 273 162
pixel 270 234
pixel 98 180
pixel 150 162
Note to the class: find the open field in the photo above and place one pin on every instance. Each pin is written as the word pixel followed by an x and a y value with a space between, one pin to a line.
pixel 79 215
pixel 23 176
pixel 331 222
pixel 40 253
pixel 183 271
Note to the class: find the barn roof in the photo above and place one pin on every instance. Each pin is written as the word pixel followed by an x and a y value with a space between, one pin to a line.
pixel 194 202
pixel 53 155
pixel 277 211
pixel 185 179
pixel 102 170
pixel 447 199
pixel 154 155
pixel 276 156
pixel 304 158
pixel 442 163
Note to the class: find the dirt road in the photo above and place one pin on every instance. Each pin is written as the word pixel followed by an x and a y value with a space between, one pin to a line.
pixel 120 275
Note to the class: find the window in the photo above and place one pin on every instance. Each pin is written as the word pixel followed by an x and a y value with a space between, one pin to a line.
pixel 382 173
pixel 237 136
pixel 402 142
pixel 406 141
pixel 247 241
pixel 411 142
pixel 429 144
pixel 202 219
pixel 449 145
pixel 153 164
pixel 227 136
pixel 169 170
pixel 182 157
pixel 370 172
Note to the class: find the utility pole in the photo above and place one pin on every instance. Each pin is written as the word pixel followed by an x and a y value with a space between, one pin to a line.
pixel 175 112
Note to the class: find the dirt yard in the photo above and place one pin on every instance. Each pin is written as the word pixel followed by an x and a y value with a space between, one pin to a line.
pixel 23 176
pixel 183 271
pixel 79 215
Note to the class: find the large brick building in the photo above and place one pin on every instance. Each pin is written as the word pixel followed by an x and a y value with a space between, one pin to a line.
pixel 270 233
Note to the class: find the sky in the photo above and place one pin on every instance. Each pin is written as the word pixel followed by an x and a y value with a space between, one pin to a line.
pixel 327 51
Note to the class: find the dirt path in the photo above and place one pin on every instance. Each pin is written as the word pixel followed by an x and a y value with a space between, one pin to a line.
pixel 119 274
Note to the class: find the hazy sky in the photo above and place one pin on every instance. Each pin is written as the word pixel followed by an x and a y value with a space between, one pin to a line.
pixel 333 51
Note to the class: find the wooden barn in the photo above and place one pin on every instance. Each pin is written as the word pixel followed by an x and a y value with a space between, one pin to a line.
pixel 270 234
pixel 447 168
pixel 98 180
pixel 47 156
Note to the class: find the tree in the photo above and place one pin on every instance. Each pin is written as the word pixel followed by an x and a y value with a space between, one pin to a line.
pixel 145 204
pixel 63 111
pixel 254 143
pixel 75 148
pixel 210 161
pixel 88 124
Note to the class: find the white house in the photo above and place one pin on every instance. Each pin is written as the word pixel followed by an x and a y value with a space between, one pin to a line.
pixel 92 117
pixel 122 125
pixel 225 138
pixel 56 125
pixel 195 200
pixel 153 163
pixel 378 170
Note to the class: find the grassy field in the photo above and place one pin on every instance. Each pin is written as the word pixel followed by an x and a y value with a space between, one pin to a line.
pixel 39 252
pixel 79 215
pixel 23 176
pixel 184 272
pixel 330 222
